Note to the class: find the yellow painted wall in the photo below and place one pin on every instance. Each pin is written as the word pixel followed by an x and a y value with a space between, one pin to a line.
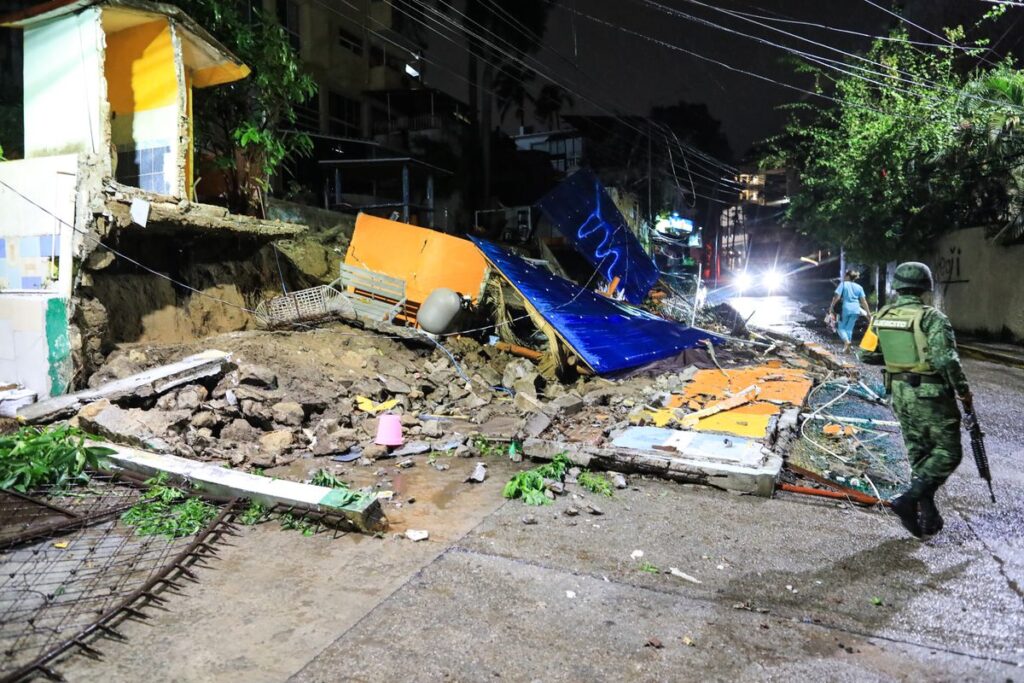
pixel 140 69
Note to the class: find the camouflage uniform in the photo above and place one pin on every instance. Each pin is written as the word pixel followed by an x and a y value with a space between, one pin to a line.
pixel 929 415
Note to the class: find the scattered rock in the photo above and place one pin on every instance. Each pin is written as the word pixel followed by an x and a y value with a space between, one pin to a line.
pixel 277 441
pixel 572 476
pixel 536 425
pixel 257 376
pixel 593 509
pixel 405 464
pixel 529 520
pixel 571 511
pixel 417 534
pixel 394 385
pixel 288 413
pixel 618 480
pixel 330 437
pixel 654 642
pixel 191 397
pixel 479 474
pixel 567 405
pixel 440 466
pixel 554 486
pixel 205 419
pixel 239 430
pixel 375 452
pixel 432 429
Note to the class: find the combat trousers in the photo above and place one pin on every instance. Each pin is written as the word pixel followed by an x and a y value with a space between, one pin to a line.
pixel 930 419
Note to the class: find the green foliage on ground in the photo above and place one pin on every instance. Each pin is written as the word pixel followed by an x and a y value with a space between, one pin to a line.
pixel 253 514
pixel 53 456
pixel 246 126
pixel 595 483
pixel 168 511
pixel 919 141
pixel 529 484
pixel 343 494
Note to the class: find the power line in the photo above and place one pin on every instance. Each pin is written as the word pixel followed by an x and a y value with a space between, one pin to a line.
pixel 521 61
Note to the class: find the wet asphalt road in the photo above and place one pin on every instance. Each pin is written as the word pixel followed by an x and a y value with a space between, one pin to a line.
pixel 790 588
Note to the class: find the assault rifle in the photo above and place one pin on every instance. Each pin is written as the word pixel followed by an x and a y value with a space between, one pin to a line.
pixel 978 446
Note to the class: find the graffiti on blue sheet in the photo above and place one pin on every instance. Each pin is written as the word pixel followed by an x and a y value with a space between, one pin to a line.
pixel 585 215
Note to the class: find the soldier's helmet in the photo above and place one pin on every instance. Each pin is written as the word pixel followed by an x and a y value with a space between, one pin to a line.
pixel 913 275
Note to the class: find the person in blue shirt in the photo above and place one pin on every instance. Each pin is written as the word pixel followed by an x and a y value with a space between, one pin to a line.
pixel 854 301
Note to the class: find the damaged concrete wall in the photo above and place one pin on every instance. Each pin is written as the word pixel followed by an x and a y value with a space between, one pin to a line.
pixel 318 252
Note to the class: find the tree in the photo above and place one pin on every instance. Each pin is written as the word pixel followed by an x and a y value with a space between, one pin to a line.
pixel 902 156
pixel 243 126
pixel 549 103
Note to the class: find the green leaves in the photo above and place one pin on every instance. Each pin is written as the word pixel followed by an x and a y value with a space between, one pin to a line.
pixel 898 161
pixel 595 483
pixel 57 456
pixel 241 126
pixel 168 511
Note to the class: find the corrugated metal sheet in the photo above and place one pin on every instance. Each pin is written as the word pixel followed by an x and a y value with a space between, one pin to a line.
pixel 608 335
pixel 586 216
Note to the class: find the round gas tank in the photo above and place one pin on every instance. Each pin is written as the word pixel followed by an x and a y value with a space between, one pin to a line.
pixel 438 313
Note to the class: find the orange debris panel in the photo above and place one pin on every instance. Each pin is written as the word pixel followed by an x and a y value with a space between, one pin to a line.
pixel 788 385
pixel 424 258
pixel 778 385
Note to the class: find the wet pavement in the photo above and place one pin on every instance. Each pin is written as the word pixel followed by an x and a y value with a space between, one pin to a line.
pixel 789 588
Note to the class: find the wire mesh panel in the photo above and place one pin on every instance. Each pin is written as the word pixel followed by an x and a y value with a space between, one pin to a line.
pixel 69 569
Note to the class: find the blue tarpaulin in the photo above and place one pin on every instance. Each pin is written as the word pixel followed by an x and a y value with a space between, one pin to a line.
pixel 586 216
pixel 608 335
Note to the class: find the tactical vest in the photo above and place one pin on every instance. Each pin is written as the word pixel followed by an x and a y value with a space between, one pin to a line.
pixel 904 344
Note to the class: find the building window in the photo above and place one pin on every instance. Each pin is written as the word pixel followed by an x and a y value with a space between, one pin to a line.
pixel 307 115
pixel 350 41
pixel 344 116
pixel 288 16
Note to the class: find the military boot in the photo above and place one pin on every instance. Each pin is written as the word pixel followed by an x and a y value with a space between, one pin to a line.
pixel 907 507
pixel 931 521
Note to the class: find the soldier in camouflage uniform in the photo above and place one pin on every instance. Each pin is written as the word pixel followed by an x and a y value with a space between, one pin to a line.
pixel 924 378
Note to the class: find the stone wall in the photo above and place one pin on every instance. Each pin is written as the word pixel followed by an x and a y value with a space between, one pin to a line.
pixel 978 284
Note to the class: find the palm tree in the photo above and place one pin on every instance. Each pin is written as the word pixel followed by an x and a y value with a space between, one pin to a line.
pixel 549 104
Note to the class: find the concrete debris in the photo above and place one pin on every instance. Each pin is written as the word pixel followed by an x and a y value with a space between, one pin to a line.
pixel 536 424
pixel 479 474
pixel 149 383
pixel 683 575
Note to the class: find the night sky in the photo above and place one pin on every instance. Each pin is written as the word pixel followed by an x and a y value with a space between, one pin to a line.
pixel 630 74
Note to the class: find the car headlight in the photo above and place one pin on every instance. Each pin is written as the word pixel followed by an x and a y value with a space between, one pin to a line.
pixel 744 281
pixel 774 280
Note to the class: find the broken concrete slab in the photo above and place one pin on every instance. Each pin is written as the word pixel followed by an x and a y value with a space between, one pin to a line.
pixel 536 425
pixel 751 469
pixel 133 427
pixel 365 515
pixel 154 381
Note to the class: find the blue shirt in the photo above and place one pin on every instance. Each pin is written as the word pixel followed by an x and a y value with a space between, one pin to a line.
pixel 850 293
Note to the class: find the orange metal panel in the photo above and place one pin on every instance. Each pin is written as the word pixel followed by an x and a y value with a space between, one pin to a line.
pixel 424 258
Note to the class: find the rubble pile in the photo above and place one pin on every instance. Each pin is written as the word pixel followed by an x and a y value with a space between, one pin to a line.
pixel 284 396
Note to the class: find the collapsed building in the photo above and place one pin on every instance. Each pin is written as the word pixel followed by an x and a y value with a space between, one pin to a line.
pixel 99 227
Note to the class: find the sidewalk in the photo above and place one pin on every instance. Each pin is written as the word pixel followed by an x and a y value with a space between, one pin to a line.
pixel 1007 354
